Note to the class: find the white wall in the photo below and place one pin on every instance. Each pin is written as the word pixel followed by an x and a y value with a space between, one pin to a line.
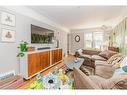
pixel 77 45
pixel 8 51
pixel 80 45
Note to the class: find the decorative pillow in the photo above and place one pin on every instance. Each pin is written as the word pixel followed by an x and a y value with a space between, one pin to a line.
pixel 118 71
pixel 124 62
pixel 117 60
pixel 124 68
pixel 80 51
pixel 117 57
pixel 116 66
pixel 107 54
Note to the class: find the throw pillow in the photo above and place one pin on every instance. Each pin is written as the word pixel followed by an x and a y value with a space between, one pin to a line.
pixel 116 66
pixel 123 62
pixel 118 72
pixel 124 68
pixel 80 51
pixel 107 54
pixel 115 57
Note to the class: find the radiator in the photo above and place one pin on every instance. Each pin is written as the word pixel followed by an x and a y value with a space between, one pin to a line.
pixel 7 75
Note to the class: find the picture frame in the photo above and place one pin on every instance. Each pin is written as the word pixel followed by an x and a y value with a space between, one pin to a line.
pixel 8 35
pixel 8 19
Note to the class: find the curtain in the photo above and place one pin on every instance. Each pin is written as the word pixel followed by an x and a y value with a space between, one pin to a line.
pixel 118 36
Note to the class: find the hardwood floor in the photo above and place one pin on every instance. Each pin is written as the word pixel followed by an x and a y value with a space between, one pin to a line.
pixel 28 82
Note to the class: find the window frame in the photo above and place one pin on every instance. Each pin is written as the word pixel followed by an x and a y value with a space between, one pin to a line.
pixel 93 42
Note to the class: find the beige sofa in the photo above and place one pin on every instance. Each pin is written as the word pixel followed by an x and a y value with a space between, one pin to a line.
pixel 82 81
pixel 91 58
pixel 106 69
pixel 104 77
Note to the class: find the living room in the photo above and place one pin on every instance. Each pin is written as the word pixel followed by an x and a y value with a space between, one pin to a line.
pixel 77 45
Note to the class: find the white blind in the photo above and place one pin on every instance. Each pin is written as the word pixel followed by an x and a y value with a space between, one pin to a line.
pixel 93 39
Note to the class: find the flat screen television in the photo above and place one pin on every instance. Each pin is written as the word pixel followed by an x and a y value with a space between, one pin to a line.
pixel 40 35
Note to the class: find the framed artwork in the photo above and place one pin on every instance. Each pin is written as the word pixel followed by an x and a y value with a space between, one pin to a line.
pixel 7 19
pixel 8 35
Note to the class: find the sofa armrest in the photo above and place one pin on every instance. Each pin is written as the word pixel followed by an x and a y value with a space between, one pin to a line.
pixel 88 61
pixel 119 82
pixel 81 81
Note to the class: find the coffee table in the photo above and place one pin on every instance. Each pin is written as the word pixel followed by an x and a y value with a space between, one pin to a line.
pixel 75 63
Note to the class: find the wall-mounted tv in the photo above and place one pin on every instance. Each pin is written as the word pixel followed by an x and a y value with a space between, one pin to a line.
pixel 41 35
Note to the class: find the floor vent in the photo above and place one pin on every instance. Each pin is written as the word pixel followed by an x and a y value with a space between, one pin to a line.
pixel 7 75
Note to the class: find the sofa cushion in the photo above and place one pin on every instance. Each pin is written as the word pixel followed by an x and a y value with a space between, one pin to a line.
pixel 99 62
pixel 107 54
pixel 104 71
pixel 98 80
pixel 91 52
pixel 119 82
pixel 97 57
pixel 123 62
pixel 86 56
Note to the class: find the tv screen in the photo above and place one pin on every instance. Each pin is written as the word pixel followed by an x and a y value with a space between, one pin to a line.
pixel 41 35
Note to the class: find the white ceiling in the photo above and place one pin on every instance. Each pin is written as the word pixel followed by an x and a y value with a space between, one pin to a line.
pixel 80 17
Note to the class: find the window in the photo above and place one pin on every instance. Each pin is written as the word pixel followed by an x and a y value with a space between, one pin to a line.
pixel 93 39
pixel 88 40
pixel 98 39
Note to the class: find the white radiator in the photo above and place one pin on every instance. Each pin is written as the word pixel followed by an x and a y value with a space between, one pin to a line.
pixel 7 75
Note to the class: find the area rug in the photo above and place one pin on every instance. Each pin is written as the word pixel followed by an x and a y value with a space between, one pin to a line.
pixel 56 79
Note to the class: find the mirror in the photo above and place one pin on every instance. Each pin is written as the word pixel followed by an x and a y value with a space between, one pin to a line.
pixel 77 38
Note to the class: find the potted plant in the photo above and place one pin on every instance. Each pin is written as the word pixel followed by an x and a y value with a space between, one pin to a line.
pixel 22 48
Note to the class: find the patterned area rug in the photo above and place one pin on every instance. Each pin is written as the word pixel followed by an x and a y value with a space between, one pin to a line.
pixel 69 73
pixel 57 79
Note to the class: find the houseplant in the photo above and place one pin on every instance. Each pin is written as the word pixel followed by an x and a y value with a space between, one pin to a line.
pixel 22 48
